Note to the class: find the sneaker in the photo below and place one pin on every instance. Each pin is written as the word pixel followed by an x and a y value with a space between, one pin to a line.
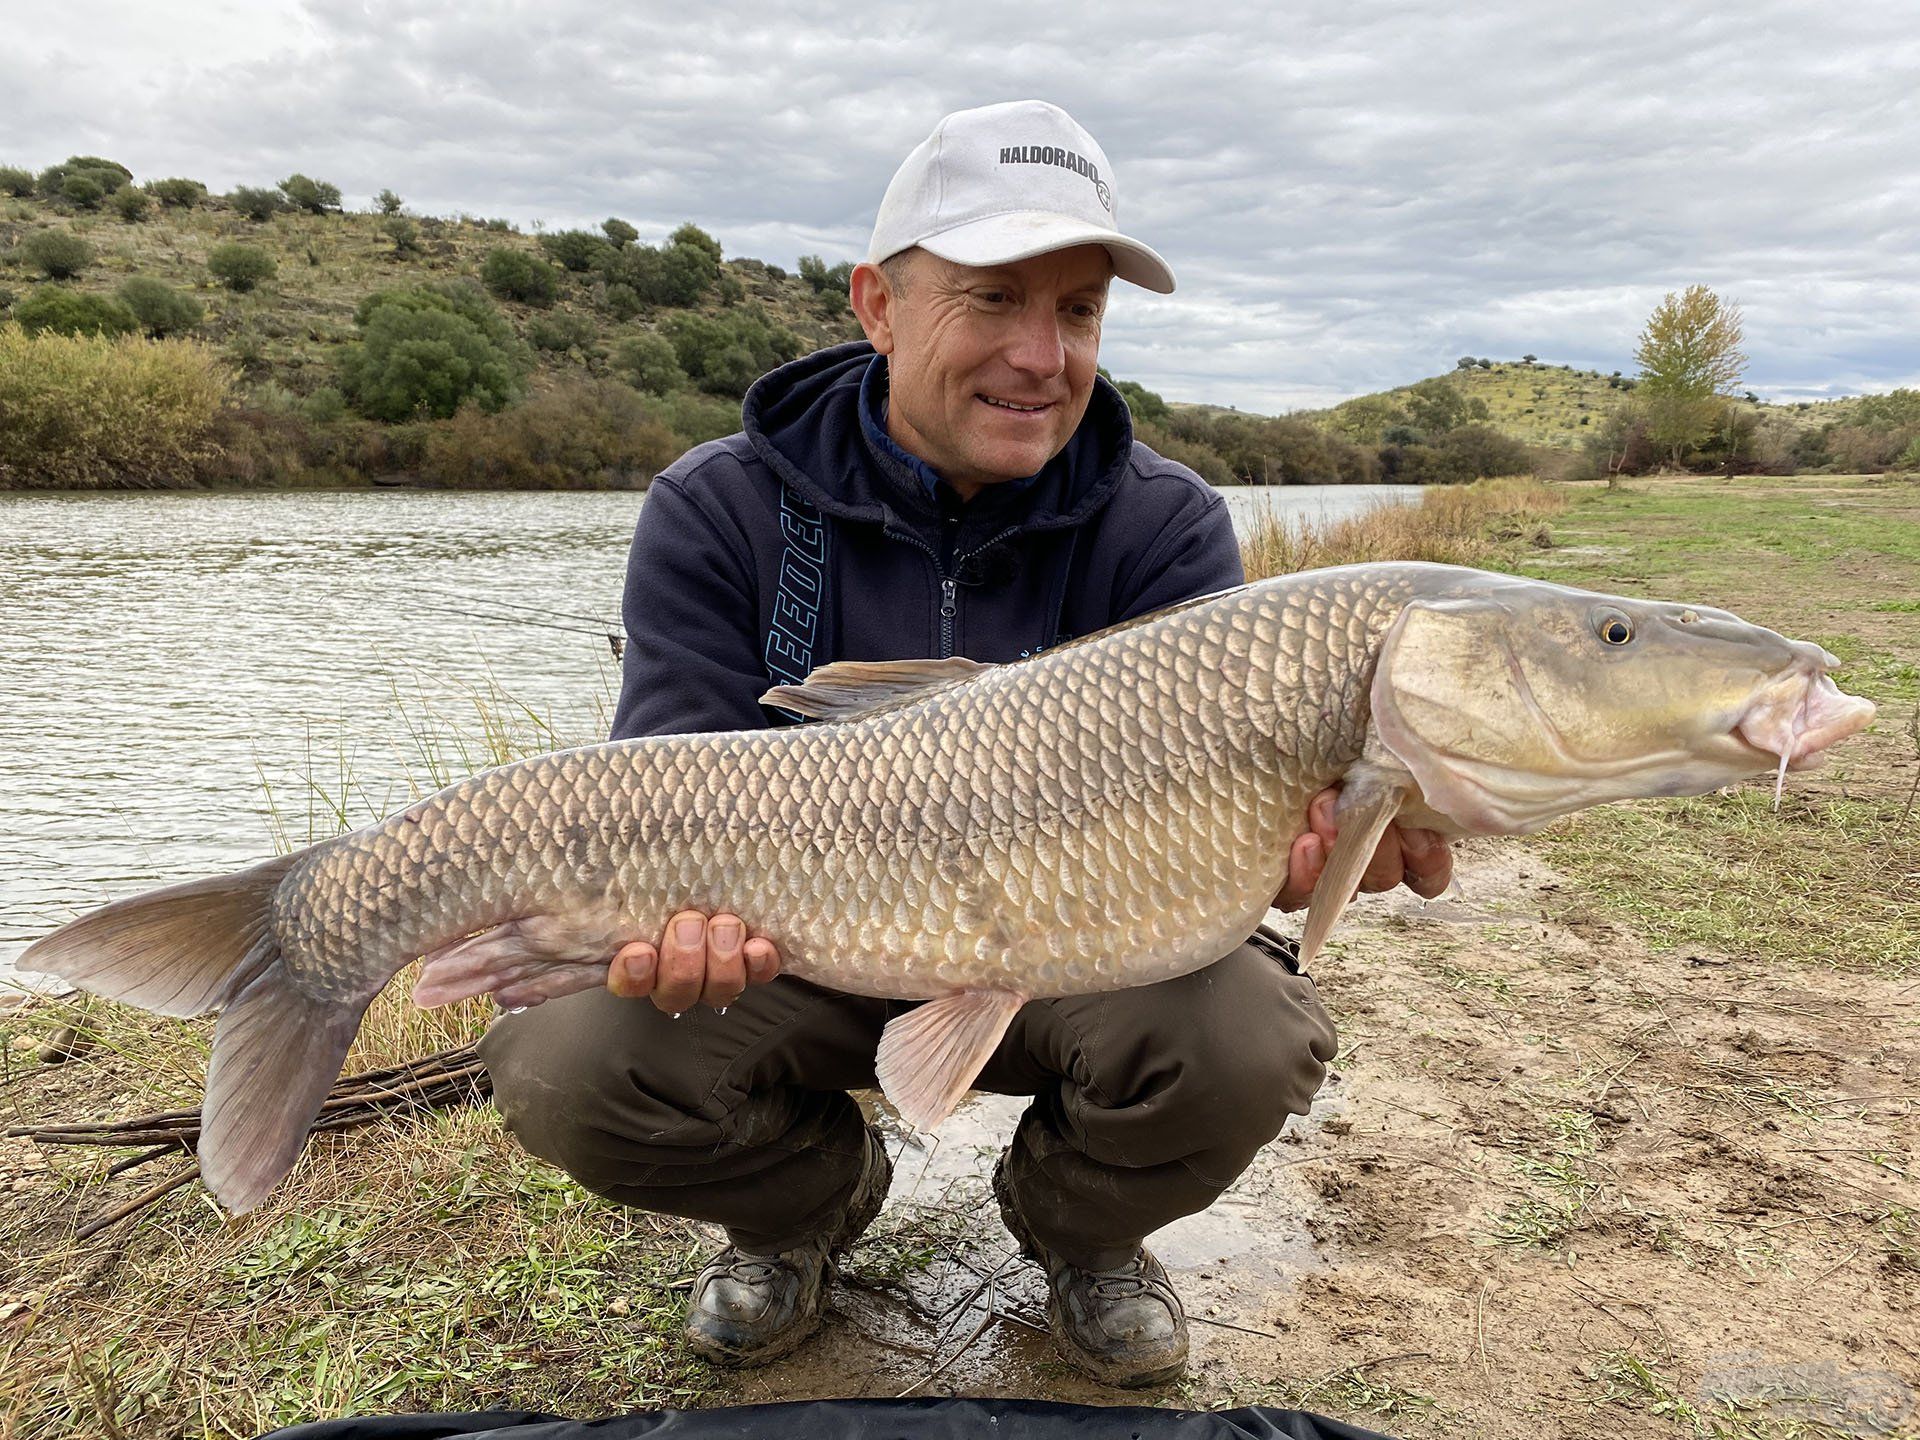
pixel 748 1309
pixel 1124 1326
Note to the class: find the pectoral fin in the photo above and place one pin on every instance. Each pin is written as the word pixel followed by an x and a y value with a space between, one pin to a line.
pixel 1368 803
pixel 930 1055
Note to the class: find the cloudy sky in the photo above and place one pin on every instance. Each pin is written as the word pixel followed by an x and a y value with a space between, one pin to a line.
pixel 1352 194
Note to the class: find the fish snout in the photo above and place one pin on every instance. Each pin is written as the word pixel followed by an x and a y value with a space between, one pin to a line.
pixel 1800 714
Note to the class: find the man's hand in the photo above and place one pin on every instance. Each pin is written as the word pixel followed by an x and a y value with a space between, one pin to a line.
pixel 1419 859
pixel 697 959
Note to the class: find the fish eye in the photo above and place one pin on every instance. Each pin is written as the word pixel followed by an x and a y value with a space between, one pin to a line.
pixel 1614 627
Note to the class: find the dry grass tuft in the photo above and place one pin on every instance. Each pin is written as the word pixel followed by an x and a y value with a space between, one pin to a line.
pixel 1452 525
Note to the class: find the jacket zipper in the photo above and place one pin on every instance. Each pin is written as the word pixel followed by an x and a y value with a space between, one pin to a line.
pixel 950 587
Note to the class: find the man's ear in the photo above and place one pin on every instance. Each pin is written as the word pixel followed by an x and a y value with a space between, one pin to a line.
pixel 873 301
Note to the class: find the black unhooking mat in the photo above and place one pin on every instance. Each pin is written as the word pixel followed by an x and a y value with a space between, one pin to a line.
pixel 853 1420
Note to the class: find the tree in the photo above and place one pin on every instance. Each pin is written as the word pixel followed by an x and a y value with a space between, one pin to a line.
pixel 1437 406
pixel 1690 361
pixel 15 181
pixel 131 205
pixel 693 236
pixel 256 202
pixel 240 267
pixel 404 234
pixel 1528 359
pixel 619 232
pixel 1465 362
pixel 316 197
pixel 73 312
pixel 574 249
pixel 160 309
pixel 82 191
pixel 516 275
pixel 423 353
pixel 649 364
pixel 60 254
pixel 177 193
pixel 388 202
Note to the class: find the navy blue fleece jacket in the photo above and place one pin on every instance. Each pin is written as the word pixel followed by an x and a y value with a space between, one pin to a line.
pixel 807 537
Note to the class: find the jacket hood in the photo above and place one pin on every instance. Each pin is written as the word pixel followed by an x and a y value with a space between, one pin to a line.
pixel 803 420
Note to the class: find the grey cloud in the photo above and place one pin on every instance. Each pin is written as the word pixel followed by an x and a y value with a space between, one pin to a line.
pixel 1352 196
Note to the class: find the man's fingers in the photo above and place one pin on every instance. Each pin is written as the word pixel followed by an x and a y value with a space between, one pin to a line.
pixel 726 962
pixel 683 963
pixel 1320 816
pixel 1429 862
pixel 631 972
pixel 1386 869
pixel 1306 858
pixel 763 960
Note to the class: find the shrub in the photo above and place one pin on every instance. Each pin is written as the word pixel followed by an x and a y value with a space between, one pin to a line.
pixel 160 309
pixel 561 330
pixel 15 181
pixel 584 433
pixel 177 193
pixel 240 267
pixel 576 250
pixel 256 202
pixel 423 353
pixel 693 237
pixel 109 175
pixel 678 274
pixel 619 233
pixel 725 355
pixel 131 205
pixel 1142 403
pixel 516 275
pixel 649 364
pixel 82 191
pixel 404 234
pixel 316 197
pixel 697 418
pixel 60 254
pixel 89 412
pixel 388 202
pixel 622 301
pixel 63 311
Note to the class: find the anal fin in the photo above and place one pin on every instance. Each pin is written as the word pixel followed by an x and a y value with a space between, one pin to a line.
pixel 1368 803
pixel 931 1055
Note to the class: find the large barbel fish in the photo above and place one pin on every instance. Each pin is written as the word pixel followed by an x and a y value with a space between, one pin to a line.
pixel 1113 812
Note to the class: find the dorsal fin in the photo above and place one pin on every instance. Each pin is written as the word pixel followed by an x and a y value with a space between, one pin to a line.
pixel 853 689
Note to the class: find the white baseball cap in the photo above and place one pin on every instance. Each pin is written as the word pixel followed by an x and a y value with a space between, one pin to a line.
pixel 1005 182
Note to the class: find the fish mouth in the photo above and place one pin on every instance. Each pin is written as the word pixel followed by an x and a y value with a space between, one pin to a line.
pixel 1797 716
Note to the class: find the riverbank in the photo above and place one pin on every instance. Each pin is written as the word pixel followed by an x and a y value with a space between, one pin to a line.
pixel 1626 1124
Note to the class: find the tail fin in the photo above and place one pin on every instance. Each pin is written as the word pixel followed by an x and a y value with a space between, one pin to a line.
pixel 276 1051
pixel 178 951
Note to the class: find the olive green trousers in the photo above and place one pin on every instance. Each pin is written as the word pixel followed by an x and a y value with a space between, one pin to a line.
pixel 1147 1104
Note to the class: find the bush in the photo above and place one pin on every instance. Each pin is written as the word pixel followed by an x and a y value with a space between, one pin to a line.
pixel 60 254
pixel 177 193
pixel 131 205
pixel 1203 460
pixel 697 418
pixel 15 181
pixel 725 355
pixel 83 192
pixel 423 353
pixel 256 202
pixel 622 301
pixel 388 202
pixel 576 250
pixel 89 412
pixel 585 433
pixel 160 309
pixel 61 311
pixel 240 267
pixel 516 275
pixel 109 175
pixel 316 197
pixel 404 234
pixel 693 237
pixel 679 274
pixel 649 364
pixel 560 331
pixel 1142 403
pixel 618 232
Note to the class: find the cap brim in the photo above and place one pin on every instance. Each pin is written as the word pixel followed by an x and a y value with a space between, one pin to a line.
pixel 1020 235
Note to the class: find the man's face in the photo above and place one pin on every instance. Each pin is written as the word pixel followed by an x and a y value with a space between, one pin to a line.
pixel 990 368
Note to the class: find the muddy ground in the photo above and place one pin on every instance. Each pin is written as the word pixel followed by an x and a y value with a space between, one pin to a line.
pixel 1579 1171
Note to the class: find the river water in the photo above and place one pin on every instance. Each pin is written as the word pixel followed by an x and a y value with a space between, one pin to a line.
pixel 186 679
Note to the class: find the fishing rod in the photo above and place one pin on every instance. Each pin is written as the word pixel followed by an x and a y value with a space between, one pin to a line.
pixel 616 642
